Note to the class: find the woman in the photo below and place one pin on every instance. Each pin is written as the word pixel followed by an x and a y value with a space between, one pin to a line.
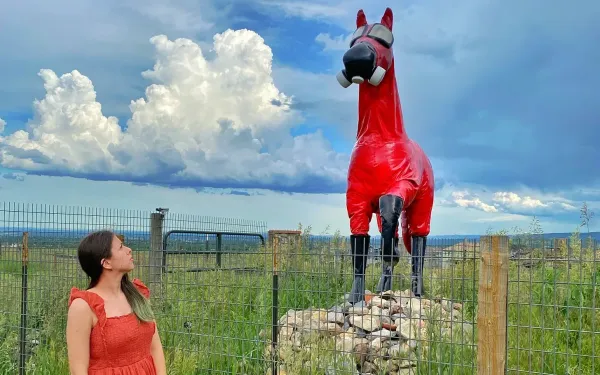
pixel 110 325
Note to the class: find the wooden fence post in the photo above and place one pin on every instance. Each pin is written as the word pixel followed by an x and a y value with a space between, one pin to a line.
pixel 155 266
pixel 492 306
pixel 275 309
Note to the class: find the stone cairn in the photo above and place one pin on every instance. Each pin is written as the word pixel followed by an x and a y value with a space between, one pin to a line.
pixel 381 336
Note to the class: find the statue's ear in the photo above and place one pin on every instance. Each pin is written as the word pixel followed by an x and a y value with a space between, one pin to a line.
pixel 388 18
pixel 361 19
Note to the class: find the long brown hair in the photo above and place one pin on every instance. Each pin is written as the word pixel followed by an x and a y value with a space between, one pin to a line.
pixel 97 246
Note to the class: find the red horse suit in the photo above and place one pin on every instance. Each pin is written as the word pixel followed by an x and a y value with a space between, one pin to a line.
pixel 389 174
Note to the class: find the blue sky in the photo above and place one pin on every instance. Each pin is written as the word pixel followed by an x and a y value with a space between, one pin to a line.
pixel 500 94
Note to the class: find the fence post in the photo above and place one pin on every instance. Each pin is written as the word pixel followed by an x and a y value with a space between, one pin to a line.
pixel 155 258
pixel 23 328
pixel 275 309
pixel 492 306
pixel 219 249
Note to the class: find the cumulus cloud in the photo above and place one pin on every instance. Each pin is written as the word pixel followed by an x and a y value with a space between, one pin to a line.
pixel 2 125
pixel 219 122
pixel 513 201
pixel 466 200
pixel 510 202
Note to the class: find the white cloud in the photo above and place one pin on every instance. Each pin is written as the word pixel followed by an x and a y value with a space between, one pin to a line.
pixel 185 16
pixel 514 200
pixel 466 200
pixel 502 202
pixel 336 43
pixel 337 13
pixel 308 10
pixel 2 125
pixel 469 208
pixel 216 122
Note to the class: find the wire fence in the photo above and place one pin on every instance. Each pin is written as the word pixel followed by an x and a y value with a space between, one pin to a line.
pixel 233 297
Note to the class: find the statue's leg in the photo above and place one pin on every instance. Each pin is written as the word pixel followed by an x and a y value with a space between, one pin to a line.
pixel 418 218
pixel 360 247
pixel 360 213
pixel 419 244
pixel 390 208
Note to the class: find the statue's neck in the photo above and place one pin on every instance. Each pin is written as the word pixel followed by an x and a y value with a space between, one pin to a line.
pixel 379 109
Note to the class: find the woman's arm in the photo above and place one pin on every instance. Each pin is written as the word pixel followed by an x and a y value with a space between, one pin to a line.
pixel 157 354
pixel 80 320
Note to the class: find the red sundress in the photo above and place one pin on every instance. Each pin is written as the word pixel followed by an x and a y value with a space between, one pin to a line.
pixel 119 345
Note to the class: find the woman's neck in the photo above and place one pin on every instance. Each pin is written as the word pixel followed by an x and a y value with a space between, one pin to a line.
pixel 110 284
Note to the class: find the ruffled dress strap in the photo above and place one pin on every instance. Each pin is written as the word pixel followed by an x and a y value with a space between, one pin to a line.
pixel 141 287
pixel 95 302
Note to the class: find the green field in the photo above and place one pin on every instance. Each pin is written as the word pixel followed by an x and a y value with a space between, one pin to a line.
pixel 219 321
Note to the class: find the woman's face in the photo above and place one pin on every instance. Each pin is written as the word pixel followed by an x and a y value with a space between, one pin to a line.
pixel 121 259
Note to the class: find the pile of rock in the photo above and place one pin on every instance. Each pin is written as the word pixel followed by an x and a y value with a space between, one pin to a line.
pixel 386 334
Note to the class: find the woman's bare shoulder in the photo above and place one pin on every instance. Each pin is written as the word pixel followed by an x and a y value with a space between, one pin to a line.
pixel 79 308
pixel 81 313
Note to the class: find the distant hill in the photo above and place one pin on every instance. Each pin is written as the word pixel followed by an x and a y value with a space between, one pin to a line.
pixel 548 236
pixel 594 235
pixel 449 240
pixel 141 234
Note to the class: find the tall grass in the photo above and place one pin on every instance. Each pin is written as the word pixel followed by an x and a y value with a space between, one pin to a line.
pixel 219 321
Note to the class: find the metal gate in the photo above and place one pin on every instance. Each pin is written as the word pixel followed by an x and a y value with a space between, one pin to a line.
pixel 218 250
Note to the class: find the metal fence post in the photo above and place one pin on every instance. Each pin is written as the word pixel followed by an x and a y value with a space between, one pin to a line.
pixel 492 306
pixel 23 328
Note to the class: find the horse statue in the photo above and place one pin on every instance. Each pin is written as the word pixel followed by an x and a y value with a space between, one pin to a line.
pixel 389 174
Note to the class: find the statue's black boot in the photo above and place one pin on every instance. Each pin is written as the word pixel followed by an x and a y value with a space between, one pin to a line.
pixel 385 281
pixel 360 247
pixel 390 207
